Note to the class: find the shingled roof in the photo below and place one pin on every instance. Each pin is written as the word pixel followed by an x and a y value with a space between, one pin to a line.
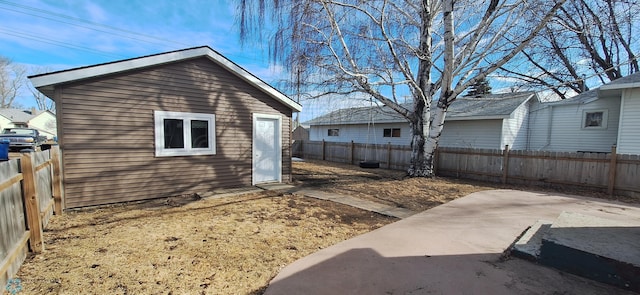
pixel 631 81
pixel 17 115
pixel 493 106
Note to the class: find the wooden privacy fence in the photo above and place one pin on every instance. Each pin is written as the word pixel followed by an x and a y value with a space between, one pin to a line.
pixel 30 192
pixel 610 172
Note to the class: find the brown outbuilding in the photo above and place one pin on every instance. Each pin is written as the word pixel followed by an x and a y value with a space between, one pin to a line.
pixel 180 122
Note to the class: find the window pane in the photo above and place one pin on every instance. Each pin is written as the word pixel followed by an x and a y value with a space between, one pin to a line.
pixel 395 132
pixel 386 132
pixel 173 134
pixel 199 134
pixel 593 119
pixel 333 132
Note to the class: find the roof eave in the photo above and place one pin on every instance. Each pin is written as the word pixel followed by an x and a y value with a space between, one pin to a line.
pixel 620 86
pixel 470 118
pixel 47 82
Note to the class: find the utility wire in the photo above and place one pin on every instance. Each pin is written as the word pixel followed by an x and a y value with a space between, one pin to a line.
pixel 129 36
pixel 68 17
pixel 58 43
pixel 112 30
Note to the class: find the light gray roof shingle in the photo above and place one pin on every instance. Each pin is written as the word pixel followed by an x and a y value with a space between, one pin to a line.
pixel 624 81
pixel 584 97
pixel 632 80
pixel 17 115
pixel 494 106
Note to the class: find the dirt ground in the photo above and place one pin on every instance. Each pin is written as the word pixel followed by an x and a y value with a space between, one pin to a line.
pixel 228 245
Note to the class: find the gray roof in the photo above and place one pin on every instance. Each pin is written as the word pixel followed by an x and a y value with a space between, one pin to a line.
pixel 494 106
pixel 584 97
pixel 631 81
pixel 17 115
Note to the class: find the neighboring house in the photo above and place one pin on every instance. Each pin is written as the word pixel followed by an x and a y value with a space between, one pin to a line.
pixel 629 127
pixel 491 121
pixel 174 123
pixel 43 121
pixel 300 133
pixel 586 122
pixel 592 121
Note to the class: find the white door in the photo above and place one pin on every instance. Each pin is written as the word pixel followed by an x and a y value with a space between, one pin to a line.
pixel 267 150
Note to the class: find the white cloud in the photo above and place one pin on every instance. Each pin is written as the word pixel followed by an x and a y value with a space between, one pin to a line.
pixel 95 12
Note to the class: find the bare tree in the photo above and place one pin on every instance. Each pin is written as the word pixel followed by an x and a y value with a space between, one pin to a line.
pixel 12 78
pixel 587 38
pixel 386 49
pixel 42 102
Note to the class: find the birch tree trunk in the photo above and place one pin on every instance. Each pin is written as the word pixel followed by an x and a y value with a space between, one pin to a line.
pixel 427 128
pixel 421 163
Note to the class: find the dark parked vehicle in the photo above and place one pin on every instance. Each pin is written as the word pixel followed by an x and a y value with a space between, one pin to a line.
pixel 22 138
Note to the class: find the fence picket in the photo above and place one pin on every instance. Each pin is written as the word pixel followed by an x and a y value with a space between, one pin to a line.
pixel 589 170
pixel 26 191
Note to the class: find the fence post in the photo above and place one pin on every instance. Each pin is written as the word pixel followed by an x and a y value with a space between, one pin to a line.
pixel 323 150
pixel 436 160
pixel 612 171
pixel 505 164
pixel 56 188
pixel 389 155
pixel 31 203
pixel 351 158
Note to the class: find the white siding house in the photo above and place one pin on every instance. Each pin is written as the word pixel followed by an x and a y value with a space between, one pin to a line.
pixel 629 130
pixel 628 89
pixel 562 126
pixel 491 122
pixel 485 134
pixel 362 133
pixel 43 121
pixel 593 121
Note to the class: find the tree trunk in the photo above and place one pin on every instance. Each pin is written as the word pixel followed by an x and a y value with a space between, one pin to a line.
pixel 427 126
pixel 424 141
pixel 421 164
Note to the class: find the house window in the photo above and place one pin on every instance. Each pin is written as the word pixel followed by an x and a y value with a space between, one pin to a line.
pixel 594 119
pixel 333 132
pixel 391 132
pixel 184 134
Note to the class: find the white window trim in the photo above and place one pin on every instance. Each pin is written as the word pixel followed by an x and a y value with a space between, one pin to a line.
pixel 159 117
pixel 605 119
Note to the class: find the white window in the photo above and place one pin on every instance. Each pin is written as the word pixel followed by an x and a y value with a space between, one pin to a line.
pixel 594 119
pixel 184 134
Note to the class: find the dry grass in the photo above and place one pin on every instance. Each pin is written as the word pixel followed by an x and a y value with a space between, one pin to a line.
pixel 389 187
pixel 231 245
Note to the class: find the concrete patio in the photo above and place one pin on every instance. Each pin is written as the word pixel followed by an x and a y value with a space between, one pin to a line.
pixel 455 248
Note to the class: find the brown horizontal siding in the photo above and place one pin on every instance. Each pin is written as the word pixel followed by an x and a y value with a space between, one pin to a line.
pixel 108 134
pixel 128 194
